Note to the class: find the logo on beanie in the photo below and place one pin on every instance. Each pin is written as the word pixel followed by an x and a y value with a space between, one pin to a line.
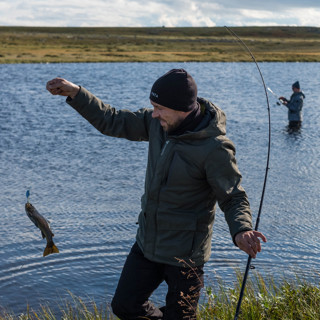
pixel 154 94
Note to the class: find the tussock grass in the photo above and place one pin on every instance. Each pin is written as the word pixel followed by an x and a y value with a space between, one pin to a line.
pixel 77 309
pixel 263 300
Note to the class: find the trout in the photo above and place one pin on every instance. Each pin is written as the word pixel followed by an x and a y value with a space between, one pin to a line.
pixel 43 225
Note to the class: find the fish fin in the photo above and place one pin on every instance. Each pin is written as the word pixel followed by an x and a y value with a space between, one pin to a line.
pixel 43 235
pixel 50 249
pixel 55 249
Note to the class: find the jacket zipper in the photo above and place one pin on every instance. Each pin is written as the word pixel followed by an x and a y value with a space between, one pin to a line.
pixel 164 147
pixel 161 154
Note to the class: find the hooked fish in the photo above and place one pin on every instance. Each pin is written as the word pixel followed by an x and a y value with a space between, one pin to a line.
pixel 43 225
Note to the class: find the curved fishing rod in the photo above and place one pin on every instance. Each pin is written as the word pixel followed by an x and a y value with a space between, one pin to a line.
pixel 265 176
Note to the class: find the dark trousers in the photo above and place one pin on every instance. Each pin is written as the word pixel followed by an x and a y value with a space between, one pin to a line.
pixel 295 125
pixel 140 277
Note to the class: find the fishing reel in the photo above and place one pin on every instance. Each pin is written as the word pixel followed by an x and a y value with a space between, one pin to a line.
pixel 282 101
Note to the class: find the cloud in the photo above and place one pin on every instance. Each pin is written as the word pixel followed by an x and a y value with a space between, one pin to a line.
pixel 169 13
pixel 307 17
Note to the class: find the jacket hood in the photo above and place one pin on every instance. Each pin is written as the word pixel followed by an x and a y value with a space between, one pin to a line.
pixel 299 94
pixel 212 125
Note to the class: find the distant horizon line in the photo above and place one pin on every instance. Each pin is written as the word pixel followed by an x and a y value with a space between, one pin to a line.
pixel 233 26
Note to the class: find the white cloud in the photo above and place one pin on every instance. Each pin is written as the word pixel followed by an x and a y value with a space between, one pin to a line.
pixel 188 14
pixel 307 16
pixel 159 12
pixel 257 14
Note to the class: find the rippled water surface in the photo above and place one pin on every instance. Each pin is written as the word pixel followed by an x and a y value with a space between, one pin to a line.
pixel 89 185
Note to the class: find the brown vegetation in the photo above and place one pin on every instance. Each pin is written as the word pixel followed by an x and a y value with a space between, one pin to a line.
pixel 54 44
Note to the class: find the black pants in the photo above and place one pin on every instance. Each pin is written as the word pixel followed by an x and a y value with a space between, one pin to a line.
pixel 295 125
pixel 140 277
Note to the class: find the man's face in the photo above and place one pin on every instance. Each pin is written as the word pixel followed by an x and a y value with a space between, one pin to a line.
pixel 169 119
pixel 294 89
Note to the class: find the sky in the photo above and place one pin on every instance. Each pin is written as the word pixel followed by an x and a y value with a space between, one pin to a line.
pixel 154 13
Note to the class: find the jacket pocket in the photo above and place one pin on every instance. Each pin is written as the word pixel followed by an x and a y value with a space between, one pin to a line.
pixel 175 236
pixel 177 221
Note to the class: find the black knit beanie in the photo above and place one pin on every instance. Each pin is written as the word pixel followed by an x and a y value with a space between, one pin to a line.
pixel 296 85
pixel 175 90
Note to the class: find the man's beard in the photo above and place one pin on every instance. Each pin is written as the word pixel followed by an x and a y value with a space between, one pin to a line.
pixel 172 126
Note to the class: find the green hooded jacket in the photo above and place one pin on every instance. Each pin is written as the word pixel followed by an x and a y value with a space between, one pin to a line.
pixel 186 175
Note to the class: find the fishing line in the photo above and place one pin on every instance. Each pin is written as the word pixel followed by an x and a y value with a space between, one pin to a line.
pixel 266 170
pixel 242 46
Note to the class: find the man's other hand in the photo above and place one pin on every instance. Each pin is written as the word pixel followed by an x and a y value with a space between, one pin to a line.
pixel 62 87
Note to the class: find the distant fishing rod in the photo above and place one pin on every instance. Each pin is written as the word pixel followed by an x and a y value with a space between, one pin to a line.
pixel 266 172
pixel 278 98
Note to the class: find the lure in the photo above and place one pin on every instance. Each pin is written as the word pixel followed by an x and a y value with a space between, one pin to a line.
pixel 28 195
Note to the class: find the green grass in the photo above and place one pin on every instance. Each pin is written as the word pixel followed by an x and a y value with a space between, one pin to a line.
pixel 157 44
pixel 263 300
pixel 76 309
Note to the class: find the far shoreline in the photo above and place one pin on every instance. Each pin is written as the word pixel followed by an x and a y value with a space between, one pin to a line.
pixel 157 44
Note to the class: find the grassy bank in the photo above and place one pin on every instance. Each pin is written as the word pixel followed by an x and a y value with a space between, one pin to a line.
pixel 295 300
pixel 55 44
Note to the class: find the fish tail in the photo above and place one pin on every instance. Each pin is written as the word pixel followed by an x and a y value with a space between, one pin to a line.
pixel 50 248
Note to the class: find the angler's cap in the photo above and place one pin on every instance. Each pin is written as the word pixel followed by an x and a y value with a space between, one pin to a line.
pixel 296 85
pixel 176 90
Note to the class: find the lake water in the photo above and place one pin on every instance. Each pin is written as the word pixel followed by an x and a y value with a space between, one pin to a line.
pixel 89 185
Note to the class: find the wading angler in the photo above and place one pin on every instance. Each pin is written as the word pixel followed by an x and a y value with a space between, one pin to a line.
pixel 294 106
pixel 191 167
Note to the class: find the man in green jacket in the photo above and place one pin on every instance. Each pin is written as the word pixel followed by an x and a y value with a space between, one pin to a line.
pixel 191 167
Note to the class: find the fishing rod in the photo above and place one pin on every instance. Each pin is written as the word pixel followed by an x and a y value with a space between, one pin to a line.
pixel 266 170
pixel 277 96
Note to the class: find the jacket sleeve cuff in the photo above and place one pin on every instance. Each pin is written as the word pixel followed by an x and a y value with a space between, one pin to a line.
pixel 69 99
